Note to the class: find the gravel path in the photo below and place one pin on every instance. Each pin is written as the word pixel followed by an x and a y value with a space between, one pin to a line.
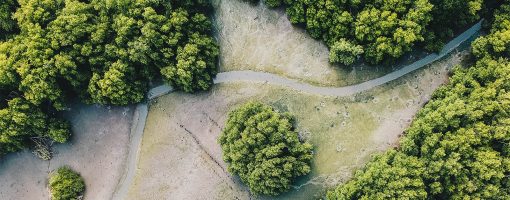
pixel 251 76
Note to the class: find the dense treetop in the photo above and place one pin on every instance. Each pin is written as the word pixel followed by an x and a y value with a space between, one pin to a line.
pixel 379 30
pixel 458 147
pixel 7 24
pixel 66 184
pixel 260 145
pixel 106 52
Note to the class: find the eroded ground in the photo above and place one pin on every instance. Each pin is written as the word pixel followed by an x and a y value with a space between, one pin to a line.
pixel 180 156
pixel 97 151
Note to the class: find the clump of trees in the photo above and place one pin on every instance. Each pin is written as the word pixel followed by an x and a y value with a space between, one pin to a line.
pixel 106 52
pixel 66 184
pixel 261 146
pixel 448 17
pixel 379 30
pixel 458 147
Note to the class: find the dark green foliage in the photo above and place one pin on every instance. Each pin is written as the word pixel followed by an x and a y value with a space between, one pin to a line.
pixel 261 146
pixel 497 43
pixel 458 145
pixel 7 24
pixel 385 29
pixel 65 184
pixel 21 120
pixel 107 52
pixel 449 16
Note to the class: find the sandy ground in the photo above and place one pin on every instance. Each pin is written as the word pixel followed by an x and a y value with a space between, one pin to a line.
pixel 180 158
pixel 97 151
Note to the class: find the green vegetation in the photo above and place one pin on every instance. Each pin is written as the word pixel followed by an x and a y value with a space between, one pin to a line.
pixel 65 184
pixel 7 24
pixel 448 17
pixel 260 145
pixel 381 30
pixel 458 147
pixel 106 52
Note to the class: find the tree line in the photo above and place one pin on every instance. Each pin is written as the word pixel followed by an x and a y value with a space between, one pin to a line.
pixel 379 30
pixel 458 146
pixel 105 52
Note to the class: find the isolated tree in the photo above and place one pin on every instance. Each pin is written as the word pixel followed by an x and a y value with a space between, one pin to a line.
pixel 260 145
pixel 66 184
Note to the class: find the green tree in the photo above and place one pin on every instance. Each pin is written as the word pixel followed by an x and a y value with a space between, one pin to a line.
pixel 66 184
pixel 344 52
pixel 107 52
pixel 458 146
pixel 260 145
pixel 7 24
pixel 448 18
pixel 385 29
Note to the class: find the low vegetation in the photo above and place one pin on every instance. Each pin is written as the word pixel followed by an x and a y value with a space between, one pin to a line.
pixel 106 52
pixel 458 147
pixel 65 184
pixel 260 145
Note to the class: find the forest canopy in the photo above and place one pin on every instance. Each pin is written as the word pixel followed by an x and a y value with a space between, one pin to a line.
pixel 260 145
pixel 380 30
pixel 105 52
pixel 458 147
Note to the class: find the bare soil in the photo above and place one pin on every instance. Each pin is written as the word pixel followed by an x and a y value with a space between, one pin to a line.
pixel 97 151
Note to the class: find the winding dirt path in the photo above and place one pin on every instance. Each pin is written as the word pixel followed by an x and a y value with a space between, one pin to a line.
pixel 251 76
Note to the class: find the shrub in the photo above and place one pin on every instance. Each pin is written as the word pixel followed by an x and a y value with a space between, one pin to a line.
pixel 261 146
pixel 65 184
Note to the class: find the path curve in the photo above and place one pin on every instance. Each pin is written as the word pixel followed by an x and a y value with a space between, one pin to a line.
pixel 141 111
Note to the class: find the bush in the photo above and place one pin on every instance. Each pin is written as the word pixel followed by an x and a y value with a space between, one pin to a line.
pixel 260 145
pixel 65 184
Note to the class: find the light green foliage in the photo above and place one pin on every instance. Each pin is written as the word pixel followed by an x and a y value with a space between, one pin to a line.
pixel 195 64
pixel 386 29
pixel 21 120
pixel 400 176
pixel 458 147
pixel 66 184
pixel 261 146
pixel 496 44
pixel 107 52
pixel 344 52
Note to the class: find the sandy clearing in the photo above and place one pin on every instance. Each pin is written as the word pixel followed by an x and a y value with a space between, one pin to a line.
pixel 180 158
pixel 97 151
